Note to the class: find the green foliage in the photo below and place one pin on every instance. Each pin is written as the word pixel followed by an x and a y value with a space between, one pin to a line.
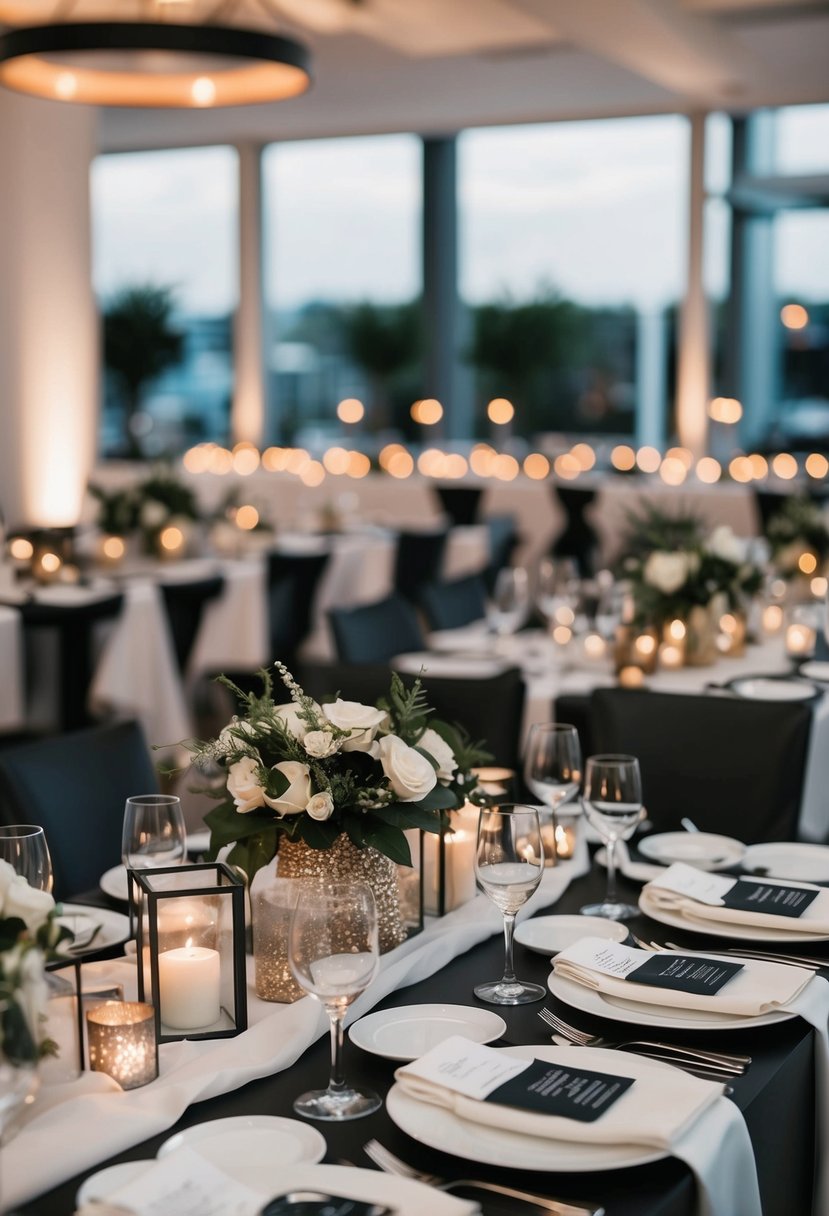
pixel 117 510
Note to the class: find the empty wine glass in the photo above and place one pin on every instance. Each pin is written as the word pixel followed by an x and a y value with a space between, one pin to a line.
pixel 552 770
pixel 613 805
pixel 333 954
pixel 509 863
pixel 24 847
pixel 154 833
pixel 507 606
pixel 557 589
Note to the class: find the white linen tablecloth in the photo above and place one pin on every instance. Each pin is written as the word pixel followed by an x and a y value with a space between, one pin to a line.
pixel 233 634
pixel 71 1128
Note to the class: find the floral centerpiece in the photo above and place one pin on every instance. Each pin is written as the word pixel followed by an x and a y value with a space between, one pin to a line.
pixel 799 538
pixel 335 787
pixel 160 502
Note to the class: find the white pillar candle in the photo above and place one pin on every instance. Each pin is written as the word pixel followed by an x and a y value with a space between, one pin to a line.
pixel 189 981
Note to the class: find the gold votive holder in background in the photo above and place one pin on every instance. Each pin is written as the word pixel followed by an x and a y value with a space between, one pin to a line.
pixel 122 1042
pixel 635 647
pixel 493 782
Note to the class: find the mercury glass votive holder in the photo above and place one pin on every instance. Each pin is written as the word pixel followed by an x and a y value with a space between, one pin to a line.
pixel 122 1042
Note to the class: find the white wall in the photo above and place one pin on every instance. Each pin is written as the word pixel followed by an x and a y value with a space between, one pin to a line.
pixel 48 318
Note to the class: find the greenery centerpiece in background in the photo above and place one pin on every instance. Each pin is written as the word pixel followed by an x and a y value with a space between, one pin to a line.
pixel 333 789
pixel 799 538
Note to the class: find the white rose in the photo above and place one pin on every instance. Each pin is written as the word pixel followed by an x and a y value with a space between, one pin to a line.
pixel 362 722
pixel 153 514
pixel 441 753
pixel 298 794
pixel 724 544
pixel 321 806
pixel 410 775
pixel 243 785
pixel 319 744
pixel 7 876
pixel 667 571
pixel 31 905
pixel 229 740
pixel 289 715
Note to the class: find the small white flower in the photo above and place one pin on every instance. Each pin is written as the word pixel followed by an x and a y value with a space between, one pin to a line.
pixel 243 785
pixel 668 571
pixel 321 806
pixel 361 721
pixel 441 753
pixel 724 544
pixel 320 743
pixel 410 774
pixel 31 905
pixel 153 514
pixel 298 794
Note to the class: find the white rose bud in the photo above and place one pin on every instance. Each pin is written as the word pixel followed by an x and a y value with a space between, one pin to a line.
pixel 321 806
pixel 410 774
pixel 243 785
pixel 31 905
pixel 298 794
pixel 441 753
pixel 319 744
pixel 361 721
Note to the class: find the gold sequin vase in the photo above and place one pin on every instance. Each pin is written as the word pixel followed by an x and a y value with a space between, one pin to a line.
pixel 344 862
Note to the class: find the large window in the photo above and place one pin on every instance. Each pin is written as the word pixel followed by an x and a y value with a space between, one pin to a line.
pixel 343 282
pixel 573 260
pixel 165 270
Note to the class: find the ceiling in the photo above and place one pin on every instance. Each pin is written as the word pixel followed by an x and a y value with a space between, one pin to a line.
pixel 435 66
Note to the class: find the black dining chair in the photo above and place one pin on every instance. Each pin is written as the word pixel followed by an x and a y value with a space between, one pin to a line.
pixel 453 603
pixel 375 633
pixel 418 560
pixel 489 708
pixel 732 766
pixel 75 787
pixel 185 604
pixel 293 581
pixel 461 503
pixel 579 539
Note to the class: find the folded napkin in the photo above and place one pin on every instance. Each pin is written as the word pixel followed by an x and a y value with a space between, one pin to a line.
pixel 758 988
pixel 696 897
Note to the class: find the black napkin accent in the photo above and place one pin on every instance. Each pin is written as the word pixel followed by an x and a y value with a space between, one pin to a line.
pixel 554 1089
pixel 772 899
pixel 685 973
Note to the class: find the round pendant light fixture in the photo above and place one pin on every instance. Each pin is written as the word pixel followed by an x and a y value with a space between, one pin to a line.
pixel 152 63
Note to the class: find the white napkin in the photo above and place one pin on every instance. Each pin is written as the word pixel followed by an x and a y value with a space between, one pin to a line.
pixel 695 896
pixel 601 965
pixel 663 1109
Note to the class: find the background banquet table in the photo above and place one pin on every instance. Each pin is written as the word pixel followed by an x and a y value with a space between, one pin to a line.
pixel 780 1079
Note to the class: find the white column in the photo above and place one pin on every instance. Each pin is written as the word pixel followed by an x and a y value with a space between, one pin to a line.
pixel 694 362
pixel 250 395
pixel 48 317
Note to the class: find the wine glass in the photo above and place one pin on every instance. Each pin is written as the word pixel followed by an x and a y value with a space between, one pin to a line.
pixel 509 863
pixel 557 589
pixel 507 606
pixel 552 767
pixel 333 954
pixel 612 802
pixel 153 836
pixel 24 847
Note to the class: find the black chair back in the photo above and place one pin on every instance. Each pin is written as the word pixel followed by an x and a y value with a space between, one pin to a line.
pixel 503 539
pixel 185 604
pixel 293 580
pixel 419 560
pixel 375 633
pixel 461 503
pixel 490 709
pixel 454 603
pixel 75 787
pixel 579 539
pixel 732 766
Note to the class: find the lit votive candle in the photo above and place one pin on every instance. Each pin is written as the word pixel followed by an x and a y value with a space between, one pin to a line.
pixel 772 618
pixel 189 982
pixel 800 640
pixel 595 647
pixel 631 677
pixel 670 656
pixel 122 1042
pixel 565 841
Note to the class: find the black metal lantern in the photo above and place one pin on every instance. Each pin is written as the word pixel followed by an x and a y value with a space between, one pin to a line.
pixel 190 948
pixel 449 862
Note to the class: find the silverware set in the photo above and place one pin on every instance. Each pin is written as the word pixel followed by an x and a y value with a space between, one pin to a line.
pixel 808 962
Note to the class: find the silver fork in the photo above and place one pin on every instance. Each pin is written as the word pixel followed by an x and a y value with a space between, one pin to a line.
pixel 390 1164
pixel 716 1061
pixel 804 961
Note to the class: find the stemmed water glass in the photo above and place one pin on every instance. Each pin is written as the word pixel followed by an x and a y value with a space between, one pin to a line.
pixel 24 847
pixel 153 836
pixel 509 602
pixel 612 803
pixel 509 862
pixel 552 767
pixel 333 954
pixel 557 588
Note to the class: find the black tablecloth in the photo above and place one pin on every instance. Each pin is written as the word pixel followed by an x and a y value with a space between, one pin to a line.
pixel 776 1097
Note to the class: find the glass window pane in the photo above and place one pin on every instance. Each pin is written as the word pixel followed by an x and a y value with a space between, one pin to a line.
pixel 803 139
pixel 167 221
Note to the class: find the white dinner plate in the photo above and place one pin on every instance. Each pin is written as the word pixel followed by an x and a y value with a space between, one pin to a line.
pixel 640 1013
pixel 815 669
pixel 409 1032
pixel 198 842
pixel 114 883
pixel 788 859
pixel 83 919
pixel 549 934
pixel 705 850
pixel 403 1195
pixel 766 688
pixel 443 1129
pixel 740 933
pixel 248 1147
